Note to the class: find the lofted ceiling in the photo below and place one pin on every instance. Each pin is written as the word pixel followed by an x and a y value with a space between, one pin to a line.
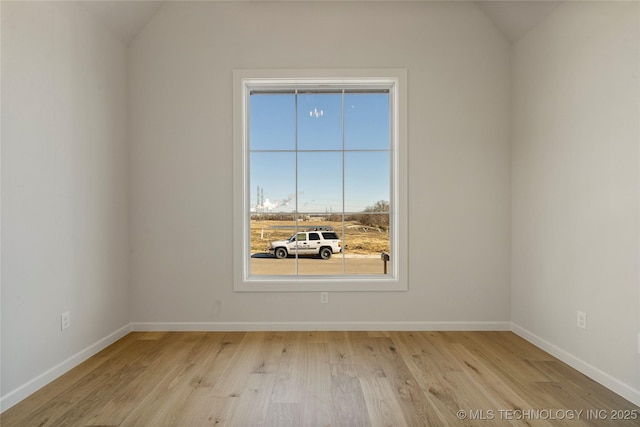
pixel 516 18
pixel 126 18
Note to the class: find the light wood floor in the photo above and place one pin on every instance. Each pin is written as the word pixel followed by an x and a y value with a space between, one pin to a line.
pixel 321 379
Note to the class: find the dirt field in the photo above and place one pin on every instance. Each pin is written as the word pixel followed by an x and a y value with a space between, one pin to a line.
pixel 356 239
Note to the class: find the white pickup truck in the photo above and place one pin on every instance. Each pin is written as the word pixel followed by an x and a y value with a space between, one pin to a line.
pixel 322 242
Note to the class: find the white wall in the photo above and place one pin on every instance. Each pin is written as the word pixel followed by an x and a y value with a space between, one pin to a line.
pixel 65 179
pixel 181 157
pixel 576 173
pixel 64 191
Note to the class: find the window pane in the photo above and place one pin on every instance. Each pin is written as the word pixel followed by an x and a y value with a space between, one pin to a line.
pixel 320 121
pixel 365 237
pixel 322 256
pixel 366 121
pixel 272 122
pixel 267 228
pixel 273 176
pixel 320 182
pixel 367 179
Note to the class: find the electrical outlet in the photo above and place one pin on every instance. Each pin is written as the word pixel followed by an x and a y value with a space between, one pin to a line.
pixel 582 319
pixel 65 320
pixel 324 297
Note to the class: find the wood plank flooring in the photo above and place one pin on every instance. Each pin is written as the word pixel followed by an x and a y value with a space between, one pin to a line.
pixel 322 379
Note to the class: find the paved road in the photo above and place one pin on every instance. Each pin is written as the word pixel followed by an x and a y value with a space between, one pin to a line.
pixel 266 264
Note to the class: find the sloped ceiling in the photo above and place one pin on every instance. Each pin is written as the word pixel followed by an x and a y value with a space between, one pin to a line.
pixel 516 18
pixel 126 18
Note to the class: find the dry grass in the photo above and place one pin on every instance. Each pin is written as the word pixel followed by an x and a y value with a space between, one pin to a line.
pixel 355 238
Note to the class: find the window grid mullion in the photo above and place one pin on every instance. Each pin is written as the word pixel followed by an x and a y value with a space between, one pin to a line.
pixel 295 216
pixel 342 231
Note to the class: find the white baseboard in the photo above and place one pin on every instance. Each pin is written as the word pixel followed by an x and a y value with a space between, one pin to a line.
pixel 15 396
pixel 320 326
pixel 613 384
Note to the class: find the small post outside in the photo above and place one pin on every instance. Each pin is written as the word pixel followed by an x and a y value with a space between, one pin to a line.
pixel 385 258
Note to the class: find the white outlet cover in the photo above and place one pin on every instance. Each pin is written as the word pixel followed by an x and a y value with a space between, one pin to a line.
pixel 582 319
pixel 65 320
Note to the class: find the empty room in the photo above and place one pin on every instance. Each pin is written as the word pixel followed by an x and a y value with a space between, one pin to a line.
pixel 345 213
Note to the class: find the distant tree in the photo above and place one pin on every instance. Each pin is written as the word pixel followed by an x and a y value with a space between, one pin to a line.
pixel 375 216
pixel 334 218
pixel 273 217
pixel 379 206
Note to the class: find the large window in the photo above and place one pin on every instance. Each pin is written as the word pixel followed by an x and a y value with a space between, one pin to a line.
pixel 319 184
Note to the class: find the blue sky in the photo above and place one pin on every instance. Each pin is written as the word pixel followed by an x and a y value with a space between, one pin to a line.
pixel 320 157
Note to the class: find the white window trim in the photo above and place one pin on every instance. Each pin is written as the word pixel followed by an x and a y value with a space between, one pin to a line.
pixel 242 81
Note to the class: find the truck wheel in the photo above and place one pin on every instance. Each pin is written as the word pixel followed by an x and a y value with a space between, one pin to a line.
pixel 281 253
pixel 325 253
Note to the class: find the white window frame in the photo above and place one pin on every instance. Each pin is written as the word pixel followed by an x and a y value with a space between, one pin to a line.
pixel 243 81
